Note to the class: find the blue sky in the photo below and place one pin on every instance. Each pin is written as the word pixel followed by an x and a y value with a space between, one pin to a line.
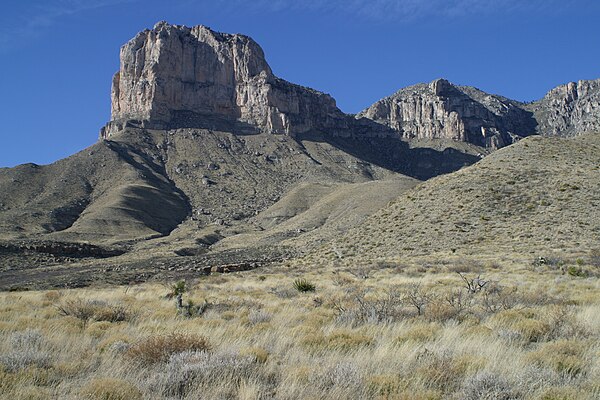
pixel 57 57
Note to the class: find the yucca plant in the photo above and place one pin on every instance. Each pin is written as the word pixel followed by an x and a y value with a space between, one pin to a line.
pixel 302 285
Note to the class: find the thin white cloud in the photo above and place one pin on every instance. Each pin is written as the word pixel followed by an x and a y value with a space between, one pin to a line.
pixel 400 9
pixel 29 21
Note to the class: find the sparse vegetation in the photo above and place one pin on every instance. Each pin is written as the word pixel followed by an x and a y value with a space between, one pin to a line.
pixel 302 285
pixel 159 348
pixel 415 331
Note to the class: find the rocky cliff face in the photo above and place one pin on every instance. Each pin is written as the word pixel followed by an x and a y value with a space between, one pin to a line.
pixel 178 77
pixel 175 76
pixel 570 109
pixel 443 110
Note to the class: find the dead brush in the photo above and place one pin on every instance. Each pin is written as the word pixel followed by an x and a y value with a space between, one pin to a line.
pixel 159 348
pixel 86 310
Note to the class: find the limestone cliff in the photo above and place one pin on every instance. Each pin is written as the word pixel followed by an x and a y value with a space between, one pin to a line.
pixel 570 109
pixel 173 76
pixel 443 110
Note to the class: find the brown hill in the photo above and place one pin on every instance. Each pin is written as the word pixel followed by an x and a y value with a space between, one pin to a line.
pixel 537 196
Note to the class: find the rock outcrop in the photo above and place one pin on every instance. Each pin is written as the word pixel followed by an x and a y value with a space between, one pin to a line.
pixel 570 109
pixel 442 110
pixel 173 76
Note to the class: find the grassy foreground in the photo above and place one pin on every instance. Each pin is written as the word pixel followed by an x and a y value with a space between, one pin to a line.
pixel 524 330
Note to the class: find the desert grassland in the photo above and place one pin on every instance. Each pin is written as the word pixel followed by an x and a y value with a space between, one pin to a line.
pixel 404 330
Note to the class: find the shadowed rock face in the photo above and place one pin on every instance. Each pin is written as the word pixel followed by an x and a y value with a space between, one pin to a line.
pixel 175 76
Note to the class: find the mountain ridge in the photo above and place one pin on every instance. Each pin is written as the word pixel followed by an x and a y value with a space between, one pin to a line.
pixel 211 158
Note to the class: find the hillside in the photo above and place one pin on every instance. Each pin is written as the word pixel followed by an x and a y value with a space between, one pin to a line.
pixel 538 196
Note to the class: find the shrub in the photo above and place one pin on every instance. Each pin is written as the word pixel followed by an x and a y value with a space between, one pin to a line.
pixel 110 389
pixel 487 386
pixel 302 285
pixel 576 271
pixel 360 308
pixel 259 317
pixel 97 310
pixel 26 352
pixel 156 349
pixel 189 369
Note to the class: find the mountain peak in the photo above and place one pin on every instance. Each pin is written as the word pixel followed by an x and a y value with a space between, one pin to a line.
pixel 173 76
pixel 439 86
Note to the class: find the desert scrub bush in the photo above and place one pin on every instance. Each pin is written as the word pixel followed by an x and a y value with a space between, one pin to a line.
pixel 187 373
pixel 344 375
pixel 340 340
pixel 259 317
pixel 359 306
pixel 576 271
pixel 26 351
pixel 190 309
pixel 563 356
pixel 303 285
pixel 487 386
pixel 110 389
pixel 97 310
pixel 159 348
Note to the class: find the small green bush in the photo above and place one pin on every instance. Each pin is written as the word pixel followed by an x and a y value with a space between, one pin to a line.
pixel 302 285
pixel 576 271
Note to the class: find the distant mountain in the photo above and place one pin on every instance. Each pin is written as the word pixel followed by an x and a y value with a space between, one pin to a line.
pixel 443 110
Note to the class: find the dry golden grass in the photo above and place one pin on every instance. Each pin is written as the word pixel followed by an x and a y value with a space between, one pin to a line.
pixel 354 337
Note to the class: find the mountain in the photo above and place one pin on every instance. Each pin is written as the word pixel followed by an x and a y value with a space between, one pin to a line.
pixel 202 133
pixel 441 109
pixel 209 158
pixel 179 77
